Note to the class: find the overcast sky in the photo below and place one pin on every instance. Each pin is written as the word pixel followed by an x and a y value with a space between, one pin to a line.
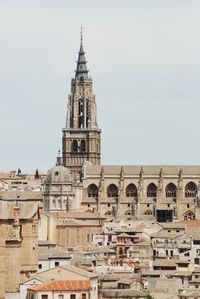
pixel 144 58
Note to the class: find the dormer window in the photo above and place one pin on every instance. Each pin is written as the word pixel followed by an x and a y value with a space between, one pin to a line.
pixel 56 173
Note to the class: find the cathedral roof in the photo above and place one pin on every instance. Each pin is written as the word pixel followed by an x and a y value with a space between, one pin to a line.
pixel 147 169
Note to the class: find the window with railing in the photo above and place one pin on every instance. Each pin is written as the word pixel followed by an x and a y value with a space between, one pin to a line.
pixel 112 191
pixel 131 190
pixel 191 190
pixel 151 190
pixel 170 190
pixel 92 190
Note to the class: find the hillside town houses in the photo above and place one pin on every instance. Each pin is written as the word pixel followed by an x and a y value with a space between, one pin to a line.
pixel 85 230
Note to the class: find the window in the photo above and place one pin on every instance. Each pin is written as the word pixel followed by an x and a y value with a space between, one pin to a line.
pixel 84 296
pixel 131 190
pixel 88 205
pixel 44 296
pixel 189 216
pixel 170 190
pixel 112 191
pixel 74 146
pixel 190 190
pixel 60 296
pixel 72 296
pixel 108 204
pixel 56 264
pixel 92 190
pixel 40 266
pixel 151 190
pixel 83 146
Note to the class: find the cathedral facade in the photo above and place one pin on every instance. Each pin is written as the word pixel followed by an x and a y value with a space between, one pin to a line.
pixel 164 193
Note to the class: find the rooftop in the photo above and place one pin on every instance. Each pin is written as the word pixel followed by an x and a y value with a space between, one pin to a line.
pixel 63 285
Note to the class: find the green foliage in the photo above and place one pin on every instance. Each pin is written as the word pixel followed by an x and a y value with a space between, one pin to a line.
pixel 149 296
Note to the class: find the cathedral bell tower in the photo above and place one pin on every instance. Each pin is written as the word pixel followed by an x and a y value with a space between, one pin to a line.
pixel 81 137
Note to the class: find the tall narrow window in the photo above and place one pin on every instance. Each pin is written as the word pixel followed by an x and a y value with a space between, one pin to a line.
pixel 80 114
pixel 83 146
pixel 131 190
pixel 92 190
pixel 112 190
pixel 170 190
pixel 74 146
pixel 151 190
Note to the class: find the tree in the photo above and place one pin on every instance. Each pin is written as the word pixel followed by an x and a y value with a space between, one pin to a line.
pixel 36 174
pixel 149 297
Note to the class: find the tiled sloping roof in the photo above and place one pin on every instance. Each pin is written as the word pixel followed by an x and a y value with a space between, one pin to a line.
pixel 164 234
pixel 125 235
pixel 63 285
pixel 4 175
pixel 45 253
pixel 76 215
pixel 191 223
pixel 26 210
pixel 79 271
pixel 21 195
pixel 164 262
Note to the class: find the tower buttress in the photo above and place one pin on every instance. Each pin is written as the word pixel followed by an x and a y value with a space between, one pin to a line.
pixel 81 137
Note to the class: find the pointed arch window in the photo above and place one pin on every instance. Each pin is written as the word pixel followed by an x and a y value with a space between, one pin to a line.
pixel 170 190
pixel 191 190
pixel 92 190
pixel 83 146
pixel 131 190
pixel 151 190
pixel 112 190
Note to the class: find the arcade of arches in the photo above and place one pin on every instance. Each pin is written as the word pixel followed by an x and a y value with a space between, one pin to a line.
pixel 163 194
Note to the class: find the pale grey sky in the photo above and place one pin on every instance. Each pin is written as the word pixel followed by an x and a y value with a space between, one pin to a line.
pixel 143 56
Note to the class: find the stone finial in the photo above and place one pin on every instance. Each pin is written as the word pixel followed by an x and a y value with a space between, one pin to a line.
pixel 180 179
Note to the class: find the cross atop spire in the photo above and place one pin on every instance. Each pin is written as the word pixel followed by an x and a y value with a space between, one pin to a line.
pixel 81 68
pixel 81 34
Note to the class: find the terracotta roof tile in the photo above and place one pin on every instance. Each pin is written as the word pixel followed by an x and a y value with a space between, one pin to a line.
pixel 191 223
pixel 164 262
pixel 63 285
